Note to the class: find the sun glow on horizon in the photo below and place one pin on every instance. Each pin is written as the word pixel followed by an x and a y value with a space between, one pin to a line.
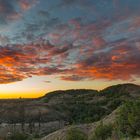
pixel 38 86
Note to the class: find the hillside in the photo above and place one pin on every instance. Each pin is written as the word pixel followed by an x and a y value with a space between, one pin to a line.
pixel 86 128
pixel 59 109
pixel 72 105
pixel 110 99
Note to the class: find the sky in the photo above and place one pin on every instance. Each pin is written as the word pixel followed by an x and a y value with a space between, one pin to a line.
pixel 67 44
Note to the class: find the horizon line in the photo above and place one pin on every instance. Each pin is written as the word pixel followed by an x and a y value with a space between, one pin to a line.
pixel 49 92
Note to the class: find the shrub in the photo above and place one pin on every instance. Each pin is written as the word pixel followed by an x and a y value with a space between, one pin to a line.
pixel 18 136
pixel 102 132
pixel 36 135
pixel 114 103
pixel 86 113
pixel 76 134
pixel 128 120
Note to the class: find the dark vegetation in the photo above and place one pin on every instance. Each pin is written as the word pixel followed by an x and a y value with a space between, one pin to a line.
pixel 18 136
pixel 75 134
pixel 86 106
pixel 128 121
pixel 127 125
pixel 102 132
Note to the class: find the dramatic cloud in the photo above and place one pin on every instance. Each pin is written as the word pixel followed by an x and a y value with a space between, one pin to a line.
pixel 81 45
pixel 22 61
pixel 120 61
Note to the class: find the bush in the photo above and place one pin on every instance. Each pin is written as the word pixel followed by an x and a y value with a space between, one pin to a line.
pixel 18 136
pixel 129 119
pixel 114 103
pixel 102 132
pixel 86 113
pixel 36 135
pixel 76 134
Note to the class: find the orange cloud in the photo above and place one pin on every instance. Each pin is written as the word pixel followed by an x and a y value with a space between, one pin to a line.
pixel 72 52
pixel 25 4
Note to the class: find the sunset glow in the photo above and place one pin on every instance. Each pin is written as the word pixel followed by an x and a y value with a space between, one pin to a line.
pixel 67 44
